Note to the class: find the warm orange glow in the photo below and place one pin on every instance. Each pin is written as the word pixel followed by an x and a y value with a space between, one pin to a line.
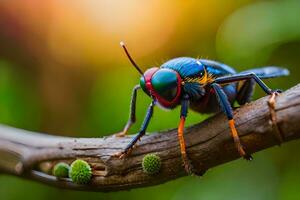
pixel 93 28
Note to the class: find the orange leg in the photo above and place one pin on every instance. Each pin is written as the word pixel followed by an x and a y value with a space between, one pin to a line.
pixel 187 164
pixel 237 141
pixel 227 109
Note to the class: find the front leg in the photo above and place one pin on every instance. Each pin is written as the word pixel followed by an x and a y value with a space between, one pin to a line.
pixel 142 132
pixel 227 109
pixel 132 116
pixel 183 114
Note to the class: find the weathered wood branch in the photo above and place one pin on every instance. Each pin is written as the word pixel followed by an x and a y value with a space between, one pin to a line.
pixel 31 155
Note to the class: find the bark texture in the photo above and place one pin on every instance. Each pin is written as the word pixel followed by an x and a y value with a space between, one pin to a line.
pixel 32 155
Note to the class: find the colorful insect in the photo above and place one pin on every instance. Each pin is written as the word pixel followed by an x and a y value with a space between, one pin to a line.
pixel 206 86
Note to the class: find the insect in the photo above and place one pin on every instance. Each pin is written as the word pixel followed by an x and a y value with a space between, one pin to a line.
pixel 205 86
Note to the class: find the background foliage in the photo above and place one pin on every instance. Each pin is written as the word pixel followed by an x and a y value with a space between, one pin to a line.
pixel 62 72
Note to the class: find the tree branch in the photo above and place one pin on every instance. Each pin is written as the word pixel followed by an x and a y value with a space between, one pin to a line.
pixel 32 155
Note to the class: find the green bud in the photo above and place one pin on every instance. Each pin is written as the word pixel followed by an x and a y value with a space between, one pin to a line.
pixel 80 172
pixel 61 170
pixel 151 164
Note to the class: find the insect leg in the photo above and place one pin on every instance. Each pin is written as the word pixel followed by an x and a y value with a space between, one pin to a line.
pixel 246 76
pixel 132 117
pixel 271 103
pixel 273 93
pixel 141 132
pixel 227 109
pixel 183 114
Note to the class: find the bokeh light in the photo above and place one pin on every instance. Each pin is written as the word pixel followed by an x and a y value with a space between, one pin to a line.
pixel 63 72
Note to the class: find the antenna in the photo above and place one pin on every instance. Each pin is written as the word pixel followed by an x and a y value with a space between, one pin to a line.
pixel 130 58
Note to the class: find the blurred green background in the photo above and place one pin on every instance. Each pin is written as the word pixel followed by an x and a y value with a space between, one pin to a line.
pixel 63 72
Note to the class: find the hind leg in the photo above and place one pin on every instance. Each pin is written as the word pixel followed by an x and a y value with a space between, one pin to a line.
pixel 245 92
pixel 271 104
pixel 266 89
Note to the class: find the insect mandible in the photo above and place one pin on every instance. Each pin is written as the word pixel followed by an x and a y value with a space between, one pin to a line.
pixel 205 86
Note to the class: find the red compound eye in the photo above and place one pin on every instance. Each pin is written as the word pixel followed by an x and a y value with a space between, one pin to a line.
pixel 163 84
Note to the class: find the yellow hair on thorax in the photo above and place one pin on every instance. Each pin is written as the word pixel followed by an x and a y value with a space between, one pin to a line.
pixel 203 80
